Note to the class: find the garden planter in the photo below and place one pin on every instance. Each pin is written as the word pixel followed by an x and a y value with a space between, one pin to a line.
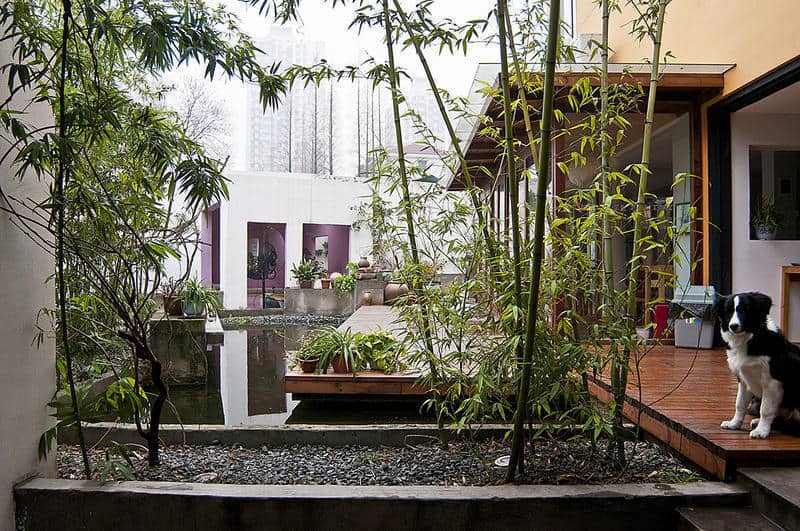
pixel 193 309
pixel 393 290
pixel 340 365
pixel 306 284
pixel 309 365
pixel 172 306
pixel 366 299
pixel 326 283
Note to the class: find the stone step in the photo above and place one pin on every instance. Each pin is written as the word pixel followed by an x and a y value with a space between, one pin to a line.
pixel 775 493
pixel 723 519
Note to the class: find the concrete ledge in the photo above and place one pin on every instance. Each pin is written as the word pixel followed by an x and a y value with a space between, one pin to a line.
pixel 134 506
pixel 257 436
pixel 317 302
pixel 251 312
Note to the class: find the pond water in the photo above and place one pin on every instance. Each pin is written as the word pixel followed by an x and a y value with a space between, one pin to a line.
pixel 237 378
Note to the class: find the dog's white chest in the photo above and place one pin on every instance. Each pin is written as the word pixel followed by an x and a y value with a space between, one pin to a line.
pixel 752 370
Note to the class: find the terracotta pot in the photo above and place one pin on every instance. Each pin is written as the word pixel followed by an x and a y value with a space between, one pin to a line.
pixel 363 263
pixel 340 365
pixel 306 284
pixel 366 298
pixel 172 305
pixel 309 365
pixel 326 283
pixel 394 290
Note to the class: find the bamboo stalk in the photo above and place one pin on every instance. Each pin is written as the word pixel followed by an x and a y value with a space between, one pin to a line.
pixel 60 204
pixel 608 250
pixel 477 203
pixel 407 207
pixel 517 460
pixel 621 365
pixel 511 178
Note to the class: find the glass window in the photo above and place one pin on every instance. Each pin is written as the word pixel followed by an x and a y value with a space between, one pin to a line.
pixel 774 193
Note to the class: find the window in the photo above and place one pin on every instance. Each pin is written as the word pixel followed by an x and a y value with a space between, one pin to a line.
pixel 775 192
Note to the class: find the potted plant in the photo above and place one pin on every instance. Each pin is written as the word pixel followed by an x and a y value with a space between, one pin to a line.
pixel 306 272
pixel 767 219
pixel 339 353
pixel 316 350
pixel 171 297
pixel 344 283
pixel 196 299
pixel 381 349
pixel 307 358
pixel 325 282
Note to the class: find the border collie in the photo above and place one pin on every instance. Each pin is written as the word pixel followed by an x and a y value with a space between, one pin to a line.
pixel 764 362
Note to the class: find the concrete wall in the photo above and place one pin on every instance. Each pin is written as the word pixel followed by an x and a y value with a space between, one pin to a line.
pixel 317 302
pixel 756 36
pixel 293 199
pixel 27 378
pixel 165 506
pixel 756 264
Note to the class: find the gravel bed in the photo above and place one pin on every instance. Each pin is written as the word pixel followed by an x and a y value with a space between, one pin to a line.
pixel 463 463
pixel 279 319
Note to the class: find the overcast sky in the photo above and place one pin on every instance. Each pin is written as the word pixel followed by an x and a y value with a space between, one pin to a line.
pixel 318 21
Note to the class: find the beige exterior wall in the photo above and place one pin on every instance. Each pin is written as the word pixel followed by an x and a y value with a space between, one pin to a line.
pixel 27 378
pixel 755 36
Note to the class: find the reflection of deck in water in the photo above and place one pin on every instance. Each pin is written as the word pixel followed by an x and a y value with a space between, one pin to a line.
pixel 399 384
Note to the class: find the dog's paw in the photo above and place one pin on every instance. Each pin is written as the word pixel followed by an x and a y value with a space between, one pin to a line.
pixel 759 433
pixel 754 423
pixel 730 425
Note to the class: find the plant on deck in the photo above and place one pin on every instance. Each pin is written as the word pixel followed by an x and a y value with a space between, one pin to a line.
pixel 381 350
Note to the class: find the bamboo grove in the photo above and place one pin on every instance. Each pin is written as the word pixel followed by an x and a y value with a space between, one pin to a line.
pixel 534 313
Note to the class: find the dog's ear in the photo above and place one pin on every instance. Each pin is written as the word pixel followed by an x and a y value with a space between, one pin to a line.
pixel 762 302
pixel 719 305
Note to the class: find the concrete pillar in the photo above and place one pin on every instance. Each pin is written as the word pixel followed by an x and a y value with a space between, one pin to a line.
pixel 27 380
pixel 682 198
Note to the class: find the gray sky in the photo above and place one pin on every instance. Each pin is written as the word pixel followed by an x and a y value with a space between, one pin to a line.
pixel 320 22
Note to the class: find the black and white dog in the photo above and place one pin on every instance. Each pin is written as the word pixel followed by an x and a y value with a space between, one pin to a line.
pixel 766 364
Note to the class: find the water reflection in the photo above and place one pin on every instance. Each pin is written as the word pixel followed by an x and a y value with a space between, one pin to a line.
pixel 232 378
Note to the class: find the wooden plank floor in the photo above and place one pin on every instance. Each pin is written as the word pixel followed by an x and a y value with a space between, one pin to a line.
pixel 364 319
pixel 685 394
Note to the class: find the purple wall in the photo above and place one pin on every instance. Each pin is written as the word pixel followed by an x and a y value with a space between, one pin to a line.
pixel 209 247
pixel 275 234
pixel 338 243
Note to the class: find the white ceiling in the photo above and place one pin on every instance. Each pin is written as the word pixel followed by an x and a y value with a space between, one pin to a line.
pixel 785 101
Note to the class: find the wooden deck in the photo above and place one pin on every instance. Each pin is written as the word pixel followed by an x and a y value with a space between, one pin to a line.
pixel 399 384
pixel 685 395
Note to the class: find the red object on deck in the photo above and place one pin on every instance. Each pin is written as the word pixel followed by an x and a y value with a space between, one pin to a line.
pixel 661 317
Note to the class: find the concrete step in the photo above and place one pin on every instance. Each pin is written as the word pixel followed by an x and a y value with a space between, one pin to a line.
pixel 724 519
pixel 775 493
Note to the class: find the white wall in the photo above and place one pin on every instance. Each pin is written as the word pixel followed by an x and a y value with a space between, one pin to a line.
pixel 27 378
pixel 757 264
pixel 293 199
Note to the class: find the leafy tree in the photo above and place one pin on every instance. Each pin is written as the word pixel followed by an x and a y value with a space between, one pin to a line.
pixel 116 164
